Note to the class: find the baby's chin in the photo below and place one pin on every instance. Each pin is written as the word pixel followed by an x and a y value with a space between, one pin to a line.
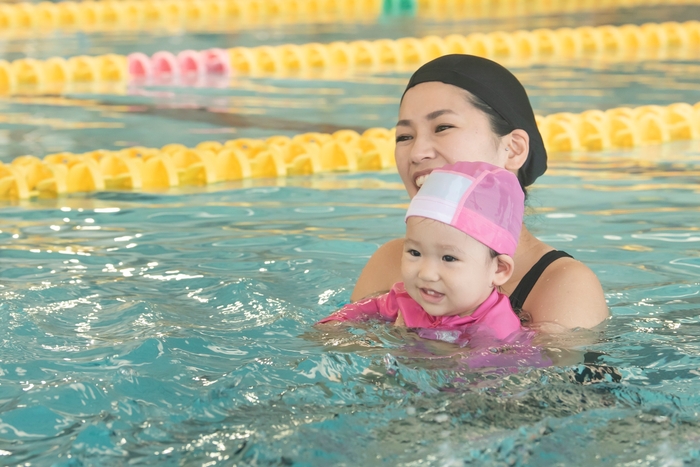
pixel 435 312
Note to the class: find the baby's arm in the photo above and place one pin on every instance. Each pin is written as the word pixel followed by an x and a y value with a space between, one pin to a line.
pixel 382 307
pixel 358 311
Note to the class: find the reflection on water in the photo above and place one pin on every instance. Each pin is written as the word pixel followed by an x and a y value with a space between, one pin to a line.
pixel 176 328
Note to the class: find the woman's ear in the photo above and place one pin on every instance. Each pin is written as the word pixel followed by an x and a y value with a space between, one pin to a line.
pixel 504 269
pixel 518 149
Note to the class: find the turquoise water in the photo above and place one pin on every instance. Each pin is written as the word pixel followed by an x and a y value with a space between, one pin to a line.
pixel 88 117
pixel 154 116
pixel 175 328
pixel 57 43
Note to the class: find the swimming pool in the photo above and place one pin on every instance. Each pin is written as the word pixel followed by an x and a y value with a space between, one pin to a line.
pixel 174 327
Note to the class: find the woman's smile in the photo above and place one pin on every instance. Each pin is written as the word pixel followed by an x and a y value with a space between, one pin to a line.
pixel 420 180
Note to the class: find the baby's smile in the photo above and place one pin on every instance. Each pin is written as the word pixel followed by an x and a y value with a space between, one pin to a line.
pixel 430 295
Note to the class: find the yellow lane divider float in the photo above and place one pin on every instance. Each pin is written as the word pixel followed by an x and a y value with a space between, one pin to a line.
pixel 30 19
pixel 628 42
pixel 209 162
pixel 456 10
pixel 622 127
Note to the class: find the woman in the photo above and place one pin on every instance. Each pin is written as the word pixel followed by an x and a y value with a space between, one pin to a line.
pixel 467 108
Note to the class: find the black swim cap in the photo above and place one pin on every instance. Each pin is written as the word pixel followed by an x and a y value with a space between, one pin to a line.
pixel 500 89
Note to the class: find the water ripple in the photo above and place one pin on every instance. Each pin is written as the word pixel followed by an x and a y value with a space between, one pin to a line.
pixel 181 332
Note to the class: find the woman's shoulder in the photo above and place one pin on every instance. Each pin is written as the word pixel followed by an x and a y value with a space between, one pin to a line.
pixel 383 269
pixel 567 294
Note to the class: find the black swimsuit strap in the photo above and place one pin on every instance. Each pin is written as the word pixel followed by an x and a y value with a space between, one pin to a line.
pixel 519 295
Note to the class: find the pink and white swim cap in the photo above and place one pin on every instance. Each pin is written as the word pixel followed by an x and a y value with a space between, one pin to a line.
pixel 480 199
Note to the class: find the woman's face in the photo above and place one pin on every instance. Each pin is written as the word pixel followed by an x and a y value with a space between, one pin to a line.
pixel 438 126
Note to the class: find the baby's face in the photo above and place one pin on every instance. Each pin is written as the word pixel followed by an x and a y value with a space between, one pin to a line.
pixel 445 270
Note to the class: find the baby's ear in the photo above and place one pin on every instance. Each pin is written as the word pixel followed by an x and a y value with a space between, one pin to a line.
pixel 504 269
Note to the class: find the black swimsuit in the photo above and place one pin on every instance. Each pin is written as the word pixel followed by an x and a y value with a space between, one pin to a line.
pixel 593 371
pixel 519 295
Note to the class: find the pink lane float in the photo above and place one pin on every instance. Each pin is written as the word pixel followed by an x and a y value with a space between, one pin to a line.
pixel 187 66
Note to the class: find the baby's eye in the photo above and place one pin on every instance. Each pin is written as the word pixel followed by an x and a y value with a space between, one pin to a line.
pixel 448 258
pixel 414 252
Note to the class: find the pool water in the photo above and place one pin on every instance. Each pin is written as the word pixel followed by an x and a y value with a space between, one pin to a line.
pixel 176 327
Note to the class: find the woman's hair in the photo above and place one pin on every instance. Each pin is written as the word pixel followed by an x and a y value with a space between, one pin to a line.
pixel 499 125
pixel 500 95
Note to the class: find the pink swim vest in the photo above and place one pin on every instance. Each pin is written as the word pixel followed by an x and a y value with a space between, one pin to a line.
pixel 494 316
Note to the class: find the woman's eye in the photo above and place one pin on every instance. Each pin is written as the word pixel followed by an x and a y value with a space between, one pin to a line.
pixel 414 252
pixel 448 258
pixel 440 128
pixel 401 138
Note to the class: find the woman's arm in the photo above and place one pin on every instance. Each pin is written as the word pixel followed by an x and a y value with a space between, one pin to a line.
pixel 567 295
pixel 381 272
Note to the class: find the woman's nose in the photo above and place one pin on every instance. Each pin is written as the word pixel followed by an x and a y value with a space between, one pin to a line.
pixel 422 149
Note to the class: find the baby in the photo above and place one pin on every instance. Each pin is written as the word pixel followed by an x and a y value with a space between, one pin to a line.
pixel 461 232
